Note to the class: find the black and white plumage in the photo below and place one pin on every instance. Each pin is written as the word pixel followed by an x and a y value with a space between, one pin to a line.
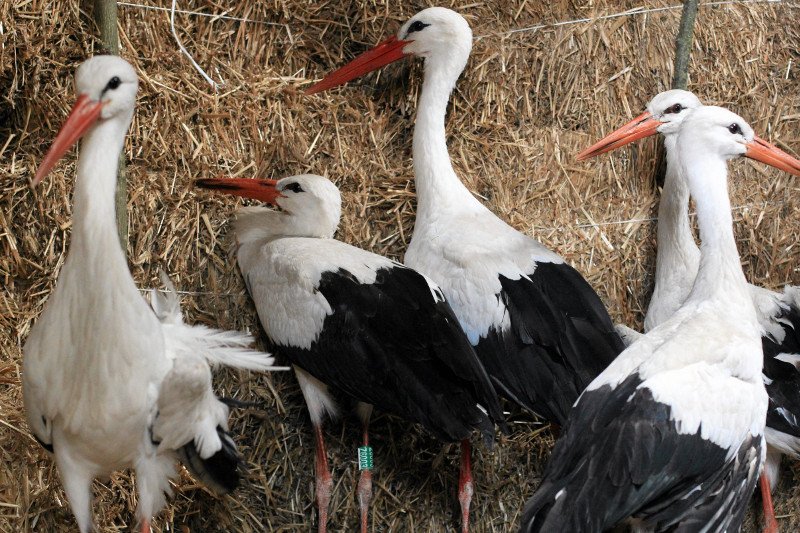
pixel 677 263
pixel 671 433
pixel 108 381
pixel 355 321
pixel 540 329
pixel 666 478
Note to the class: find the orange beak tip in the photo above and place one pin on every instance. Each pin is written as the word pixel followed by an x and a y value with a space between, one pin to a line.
pixel 760 150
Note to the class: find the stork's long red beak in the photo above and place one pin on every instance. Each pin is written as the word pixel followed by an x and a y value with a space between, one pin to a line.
pixel 84 114
pixel 642 126
pixel 381 55
pixel 761 150
pixel 257 189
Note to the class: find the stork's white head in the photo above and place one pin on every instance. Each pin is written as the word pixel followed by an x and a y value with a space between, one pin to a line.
pixel 106 87
pixel 717 132
pixel 712 132
pixel 664 115
pixel 440 35
pixel 311 204
pixel 110 81
pixel 670 108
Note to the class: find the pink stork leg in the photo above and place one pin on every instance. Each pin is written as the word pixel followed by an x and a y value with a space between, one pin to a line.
pixel 324 483
pixel 771 524
pixel 145 528
pixel 365 486
pixel 465 489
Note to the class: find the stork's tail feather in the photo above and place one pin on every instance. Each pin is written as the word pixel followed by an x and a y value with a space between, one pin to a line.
pixel 227 348
pixel 538 510
pixel 218 347
pixel 165 303
pixel 220 472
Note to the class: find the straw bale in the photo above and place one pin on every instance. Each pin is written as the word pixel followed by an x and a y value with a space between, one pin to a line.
pixel 526 104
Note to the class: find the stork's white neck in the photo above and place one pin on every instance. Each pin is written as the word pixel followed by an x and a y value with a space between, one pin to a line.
pixel 257 223
pixel 720 270
pixel 678 256
pixel 438 186
pixel 95 247
pixel 675 237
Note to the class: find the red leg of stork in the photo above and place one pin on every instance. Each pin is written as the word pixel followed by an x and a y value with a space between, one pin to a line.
pixel 324 482
pixel 770 523
pixel 365 487
pixel 465 489
pixel 145 527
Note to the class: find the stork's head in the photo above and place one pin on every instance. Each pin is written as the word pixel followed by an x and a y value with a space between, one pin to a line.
pixel 665 113
pixel 106 87
pixel 312 203
pixel 437 34
pixel 440 35
pixel 712 131
pixel 669 108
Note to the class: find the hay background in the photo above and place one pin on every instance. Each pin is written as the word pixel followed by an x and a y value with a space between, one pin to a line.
pixel 526 104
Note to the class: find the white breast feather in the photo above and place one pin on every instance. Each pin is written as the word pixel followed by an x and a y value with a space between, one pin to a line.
pixel 88 369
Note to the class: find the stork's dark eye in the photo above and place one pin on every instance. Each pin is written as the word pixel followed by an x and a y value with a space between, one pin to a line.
pixel 113 83
pixel 735 129
pixel 677 108
pixel 294 187
pixel 417 25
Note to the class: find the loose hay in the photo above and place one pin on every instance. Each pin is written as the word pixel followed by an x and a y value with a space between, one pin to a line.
pixel 526 104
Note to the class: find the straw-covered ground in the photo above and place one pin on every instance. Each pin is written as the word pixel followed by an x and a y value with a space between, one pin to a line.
pixel 526 104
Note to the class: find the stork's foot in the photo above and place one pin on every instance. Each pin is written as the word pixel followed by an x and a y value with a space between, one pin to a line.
pixel 465 492
pixel 364 498
pixel 324 488
pixel 770 523
pixel 465 489
pixel 324 482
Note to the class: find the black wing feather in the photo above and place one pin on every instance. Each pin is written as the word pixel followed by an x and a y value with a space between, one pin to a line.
pixel 561 338
pixel 621 456
pixel 391 344
pixel 783 413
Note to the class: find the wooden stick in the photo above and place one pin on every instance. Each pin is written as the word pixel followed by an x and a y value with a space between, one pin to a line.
pixel 683 44
pixel 105 17
pixel 680 75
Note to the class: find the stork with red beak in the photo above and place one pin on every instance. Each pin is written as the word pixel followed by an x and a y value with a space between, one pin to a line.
pixel 539 328
pixel 358 323
pixel 671 434
pixel 677 263
pixel 109 382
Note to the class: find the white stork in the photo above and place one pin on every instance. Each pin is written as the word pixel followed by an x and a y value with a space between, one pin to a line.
pixel 108 383
pixel 671 433
pixel 540 330
pixel 358 323
pixel 677 262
